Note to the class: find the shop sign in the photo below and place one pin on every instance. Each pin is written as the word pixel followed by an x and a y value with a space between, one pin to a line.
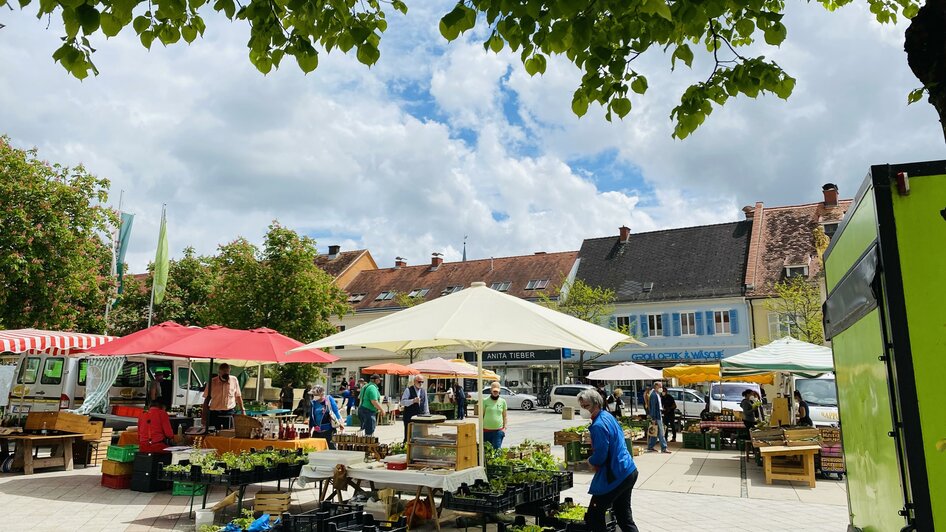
pixel 500 357
pixel 698 354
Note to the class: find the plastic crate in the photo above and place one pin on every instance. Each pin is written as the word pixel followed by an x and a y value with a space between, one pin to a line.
pixel 117 482
pixel 480 503
pixel 368 522
pixel 694 440
pixel 121 453
pixel 713 442
pixel 564 480
pixel 319 519
pixel 577 451
pixel 188 488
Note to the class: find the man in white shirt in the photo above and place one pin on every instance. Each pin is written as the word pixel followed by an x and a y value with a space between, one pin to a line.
pixel 414 402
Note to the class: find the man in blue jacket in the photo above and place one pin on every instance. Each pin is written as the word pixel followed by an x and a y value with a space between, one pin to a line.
pixel 615 471
pixel 655 412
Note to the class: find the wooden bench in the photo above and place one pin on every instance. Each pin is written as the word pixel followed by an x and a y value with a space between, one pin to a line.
pixel 791 463
pixel 61 454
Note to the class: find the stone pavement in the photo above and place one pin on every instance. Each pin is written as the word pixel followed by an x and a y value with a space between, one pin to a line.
pixel 684 491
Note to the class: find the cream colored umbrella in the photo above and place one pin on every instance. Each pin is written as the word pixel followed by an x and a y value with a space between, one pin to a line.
pixel 477 318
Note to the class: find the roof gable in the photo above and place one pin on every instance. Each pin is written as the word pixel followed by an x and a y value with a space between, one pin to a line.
pixel 341 262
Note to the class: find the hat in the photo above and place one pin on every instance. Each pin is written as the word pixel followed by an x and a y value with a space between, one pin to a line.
pixel 361 379
pixel 375 376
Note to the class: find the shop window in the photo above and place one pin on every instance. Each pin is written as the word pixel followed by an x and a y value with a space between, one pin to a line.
pixel 52 371
pixel 29 371
pixel 688 323
pixel 722 320
pixel 655 325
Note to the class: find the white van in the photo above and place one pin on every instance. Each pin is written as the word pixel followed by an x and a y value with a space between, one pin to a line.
pixel 821 394
pixel 729 395
pixel 56 382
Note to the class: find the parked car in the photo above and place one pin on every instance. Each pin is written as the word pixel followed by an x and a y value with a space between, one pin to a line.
pixel 567 395
pixel 729 395
pixel 690 403
pixel 514 400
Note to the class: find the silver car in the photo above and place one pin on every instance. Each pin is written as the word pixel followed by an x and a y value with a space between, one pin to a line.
pixel 514 400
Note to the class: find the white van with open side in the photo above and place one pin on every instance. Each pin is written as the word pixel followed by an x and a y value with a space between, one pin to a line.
pixel 821 394
pixel 729 395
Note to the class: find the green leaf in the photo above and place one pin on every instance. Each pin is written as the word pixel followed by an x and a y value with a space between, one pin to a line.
pixel 785 87
pixel 911 10
pixel 657 7
pixel 308 61
pixel 496 43
pixel 682 53
pixel 189 33
pixel 110 25
pixel 775 34
pixel 639 85
pixel 532 65
pixel 579 104
pixel 368 54
pixel 140 24
pixel 451 24
pixel 146 37
pixel 88 18
pixel 915 95
pixel 745 27
pixel 227 6
pixel 71 22
pixel 621 106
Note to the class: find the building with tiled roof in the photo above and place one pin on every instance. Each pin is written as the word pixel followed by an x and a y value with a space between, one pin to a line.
pixel 381 292
pixel 680 291
pixel 782 244
pixel 344 266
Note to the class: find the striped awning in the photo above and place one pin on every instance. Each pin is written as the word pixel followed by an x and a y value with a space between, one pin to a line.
pixel 51 342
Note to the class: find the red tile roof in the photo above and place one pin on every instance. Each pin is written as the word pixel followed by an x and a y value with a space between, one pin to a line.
pixel 518 271
pixel 784 236
pixel 337 266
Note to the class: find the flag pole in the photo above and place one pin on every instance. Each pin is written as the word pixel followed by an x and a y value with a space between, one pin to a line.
pixel 113 272
pixel 154 277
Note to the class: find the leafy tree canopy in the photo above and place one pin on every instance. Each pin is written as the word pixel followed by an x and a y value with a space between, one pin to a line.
pixel 799 301
pixel 603 38
pixel 54 261
pixel 585 302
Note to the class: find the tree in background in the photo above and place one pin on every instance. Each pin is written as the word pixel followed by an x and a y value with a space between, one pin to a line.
pixel 189 285
pixel 589 303
pixel 279 287
pixel 798 300
pixel 54 256
pixel 602 38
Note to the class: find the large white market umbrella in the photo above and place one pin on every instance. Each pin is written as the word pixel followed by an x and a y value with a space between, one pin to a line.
pixel 476 318
pixel 785 355
pixel 626 371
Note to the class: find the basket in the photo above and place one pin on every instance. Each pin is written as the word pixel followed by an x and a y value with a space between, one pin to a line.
pixel 244 425
pixel 117 482
pixel 121 453
pixel 188 489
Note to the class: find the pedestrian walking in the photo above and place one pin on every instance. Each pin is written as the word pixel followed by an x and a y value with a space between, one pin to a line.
pixel 414 402
pixel 369 405
pixel 647 391
pixel 494 417
pixel 304 408
pixel 348 398
pixel 459 396
pixel 655 411
pixel 287 395
pixel 615 404
pixel 615 471
pixel 669 405
pixel 325 419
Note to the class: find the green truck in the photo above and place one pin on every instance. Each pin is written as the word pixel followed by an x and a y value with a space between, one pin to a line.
pixel 885 315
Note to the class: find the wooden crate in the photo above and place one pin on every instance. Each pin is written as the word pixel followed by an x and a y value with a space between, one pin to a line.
pixel 95 430
pixel 561 437
pixel 61 421
pixel 272 503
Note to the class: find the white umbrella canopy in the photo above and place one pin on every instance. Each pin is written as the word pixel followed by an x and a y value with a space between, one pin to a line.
pixel 786 354
pixel 477 318
pixel 626 371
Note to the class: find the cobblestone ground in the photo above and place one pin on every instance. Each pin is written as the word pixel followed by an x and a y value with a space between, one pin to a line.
pixel 684 491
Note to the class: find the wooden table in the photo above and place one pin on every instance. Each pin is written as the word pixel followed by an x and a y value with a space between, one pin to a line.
pixel 61 454
pixel 223 444
pixel 786 469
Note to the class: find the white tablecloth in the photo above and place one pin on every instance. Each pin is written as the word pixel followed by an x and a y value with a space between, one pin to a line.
pixel 407 479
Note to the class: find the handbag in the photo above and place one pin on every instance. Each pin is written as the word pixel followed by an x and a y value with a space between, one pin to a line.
pixel 652 430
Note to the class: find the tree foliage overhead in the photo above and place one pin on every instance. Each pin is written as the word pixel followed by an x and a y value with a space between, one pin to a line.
pixel 603 38
pixel 799 301
pixel 54 258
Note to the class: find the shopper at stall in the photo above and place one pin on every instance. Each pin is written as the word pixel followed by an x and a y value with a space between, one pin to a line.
pixel 803 414
pixel 221 396
pixel 154 429
pixel 494 417
pixel 304 408
pixel 325 418
pixel 655 411
pixel 669 405
pixel 615 471
pixel 459 397
pixel 615 404
pixel 647 391
pixel 370 405
pixel 414 402
pixel 748 409
pixel 287 396
pixel 348 398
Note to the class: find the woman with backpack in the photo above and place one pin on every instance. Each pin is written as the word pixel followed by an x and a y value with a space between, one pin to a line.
pixel 325 418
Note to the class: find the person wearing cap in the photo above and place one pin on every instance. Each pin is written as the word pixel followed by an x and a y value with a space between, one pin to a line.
pixel 414 402
pixel 369 405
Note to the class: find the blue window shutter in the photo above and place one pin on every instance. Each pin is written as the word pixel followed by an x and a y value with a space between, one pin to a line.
pixel 612 322
pixel 665 322
pixel 710 324
pixel 632 325
pixel 734 321
pixel 676 324
pixel 699 323
pixel 644 326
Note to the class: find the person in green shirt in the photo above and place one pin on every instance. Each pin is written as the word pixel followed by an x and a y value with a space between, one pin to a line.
pixel 369 405
pixel 494 417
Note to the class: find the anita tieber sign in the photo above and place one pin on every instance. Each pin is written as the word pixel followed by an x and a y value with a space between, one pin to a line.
pixel 516 356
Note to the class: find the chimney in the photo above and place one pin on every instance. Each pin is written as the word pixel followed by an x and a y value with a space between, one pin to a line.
pixel 749 211
pixel 400 262
pixel 333 251
pixel 625 232
pixel 436 259
pixel 830 194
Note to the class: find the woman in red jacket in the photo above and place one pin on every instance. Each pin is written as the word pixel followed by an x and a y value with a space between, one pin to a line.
pixel 154 430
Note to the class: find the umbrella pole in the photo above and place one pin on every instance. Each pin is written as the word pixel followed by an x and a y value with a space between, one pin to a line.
pixel 259 381
pixel 482 405
pixel 187 393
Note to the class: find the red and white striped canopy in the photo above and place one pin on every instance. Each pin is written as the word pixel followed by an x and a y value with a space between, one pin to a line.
pixel 52 342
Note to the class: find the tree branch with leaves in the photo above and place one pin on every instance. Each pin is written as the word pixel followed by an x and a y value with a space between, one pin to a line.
pixel 580 300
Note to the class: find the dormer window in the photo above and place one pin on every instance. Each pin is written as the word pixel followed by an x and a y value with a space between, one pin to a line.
pixel 355 298
pixel 796 271
pixel 537 284
pixel 387 295
pixel 451 289
pixel 830 228
pixel 502 286
pixel 418 292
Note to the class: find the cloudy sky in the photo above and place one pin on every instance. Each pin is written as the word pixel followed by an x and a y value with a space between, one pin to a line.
pixel 440 141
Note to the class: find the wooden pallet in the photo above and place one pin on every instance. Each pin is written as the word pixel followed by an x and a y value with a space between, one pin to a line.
pixel 272 503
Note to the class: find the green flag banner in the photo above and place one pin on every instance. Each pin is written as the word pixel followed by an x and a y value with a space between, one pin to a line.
pixel 161 262
pixel 124 235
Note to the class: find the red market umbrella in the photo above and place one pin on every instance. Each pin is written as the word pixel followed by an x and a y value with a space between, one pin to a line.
pixel 390 368
pixel 256 345
pixel 150 340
